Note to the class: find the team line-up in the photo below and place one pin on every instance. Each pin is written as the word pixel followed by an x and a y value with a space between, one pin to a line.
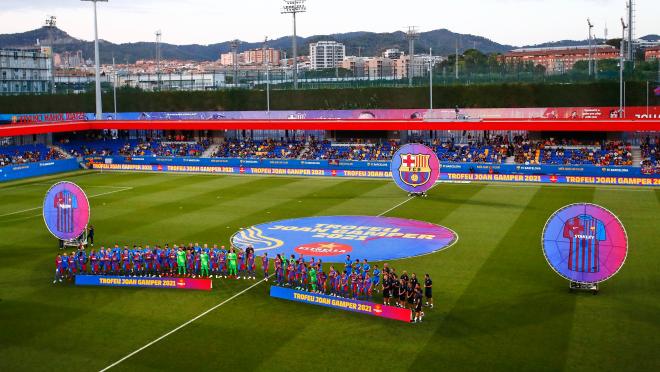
pixel 357 279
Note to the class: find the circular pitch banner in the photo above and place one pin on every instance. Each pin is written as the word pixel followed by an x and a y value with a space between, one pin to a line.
pixel 415 168
pixel 585 243
pixel 66 210
pixel 333 237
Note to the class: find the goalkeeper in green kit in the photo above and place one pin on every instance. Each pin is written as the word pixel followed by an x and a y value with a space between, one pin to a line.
pixel 312 278
pixel 204 257
pixel 181 261
pixel 231 262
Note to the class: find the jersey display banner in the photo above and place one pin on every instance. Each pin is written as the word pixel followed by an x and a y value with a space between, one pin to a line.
pixel 171 283
pixel 66 210
pixel 331 238
pixel 415 168
pixel 585 243
pixel 363 307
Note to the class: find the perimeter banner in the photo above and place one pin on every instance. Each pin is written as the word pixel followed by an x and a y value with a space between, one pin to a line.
pixel 363 307
pixel 122 281
pixel 444 176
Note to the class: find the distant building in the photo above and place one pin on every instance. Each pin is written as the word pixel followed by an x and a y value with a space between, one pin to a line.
pixel 355 65
pixel 420 66
pixel 559 60
pixel 68 59
pixel 26 71
pixel 256 56
pixel 380 67
pixel 652 53
pixel 227 59
pixel 393 53
pixel 326 54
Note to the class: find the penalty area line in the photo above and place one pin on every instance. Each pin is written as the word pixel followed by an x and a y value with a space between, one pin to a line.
pixel 184 324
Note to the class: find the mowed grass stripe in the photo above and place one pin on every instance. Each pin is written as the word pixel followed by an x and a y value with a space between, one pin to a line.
pixel 626 311
pixel 317 198
pixel 511 307
pixel 170 212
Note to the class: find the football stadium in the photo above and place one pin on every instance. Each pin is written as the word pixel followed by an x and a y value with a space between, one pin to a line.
pixel 355 222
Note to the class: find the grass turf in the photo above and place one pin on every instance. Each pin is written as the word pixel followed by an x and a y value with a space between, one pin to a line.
pixel 499 306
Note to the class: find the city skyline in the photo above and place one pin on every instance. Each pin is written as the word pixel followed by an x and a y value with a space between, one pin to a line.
pixel 533 21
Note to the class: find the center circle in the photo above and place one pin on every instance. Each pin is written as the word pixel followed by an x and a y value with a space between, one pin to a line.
pixel 333 237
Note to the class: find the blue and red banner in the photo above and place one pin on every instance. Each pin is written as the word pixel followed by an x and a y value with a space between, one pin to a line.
pixel 363 307
pixel 124 281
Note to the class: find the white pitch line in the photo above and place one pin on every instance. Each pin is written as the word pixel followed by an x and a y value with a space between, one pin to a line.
pixel 183 325
pixel 88 186
pixel 218 305
pixel 403 202
pixel 92 196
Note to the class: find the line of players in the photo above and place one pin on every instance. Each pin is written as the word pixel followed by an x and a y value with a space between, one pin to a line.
pixel 191 261
pixel 356 280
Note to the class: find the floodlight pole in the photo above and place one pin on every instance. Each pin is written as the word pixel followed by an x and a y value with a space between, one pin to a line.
pixel 99 107
pixel 621 67
pixel 431 78
pixel 266 61
pixel 114 85
pixel 590 48
pixel 294 7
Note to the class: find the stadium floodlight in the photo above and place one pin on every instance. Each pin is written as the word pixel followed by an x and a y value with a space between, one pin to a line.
pixel 294 7
pixel 591 53
pixel 97 68
pixel 621 67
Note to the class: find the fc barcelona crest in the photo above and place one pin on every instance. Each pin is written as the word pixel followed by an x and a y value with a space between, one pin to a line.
pixel 415 168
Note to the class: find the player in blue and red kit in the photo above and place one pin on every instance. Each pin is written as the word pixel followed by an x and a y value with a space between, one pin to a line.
pixel 291 273
pixel 222 262
pixel 137 262
pixel 279 271
pixel 366 285
pixel 94 262
pixel 321 280
pixel 250 266
pixel 332 278
pixel 343 284
pixel 198 264
pixel 148 258
pixel 59 268
pixel 584 233
pixel 126 262
pixel 265 264
pixel 241 265
pixel 71 265
pixel 190 260
pixel 114 260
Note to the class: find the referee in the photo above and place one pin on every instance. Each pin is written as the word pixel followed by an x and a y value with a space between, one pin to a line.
pixel 428 287
pixel 90 234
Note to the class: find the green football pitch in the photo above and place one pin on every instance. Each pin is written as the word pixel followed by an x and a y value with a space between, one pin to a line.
pixel 499 306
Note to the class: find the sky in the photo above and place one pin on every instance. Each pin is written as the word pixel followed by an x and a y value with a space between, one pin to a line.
pixel 512 22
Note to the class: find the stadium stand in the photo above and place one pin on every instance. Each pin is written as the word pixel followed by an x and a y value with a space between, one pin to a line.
pixel 27 154
pixel 495 150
